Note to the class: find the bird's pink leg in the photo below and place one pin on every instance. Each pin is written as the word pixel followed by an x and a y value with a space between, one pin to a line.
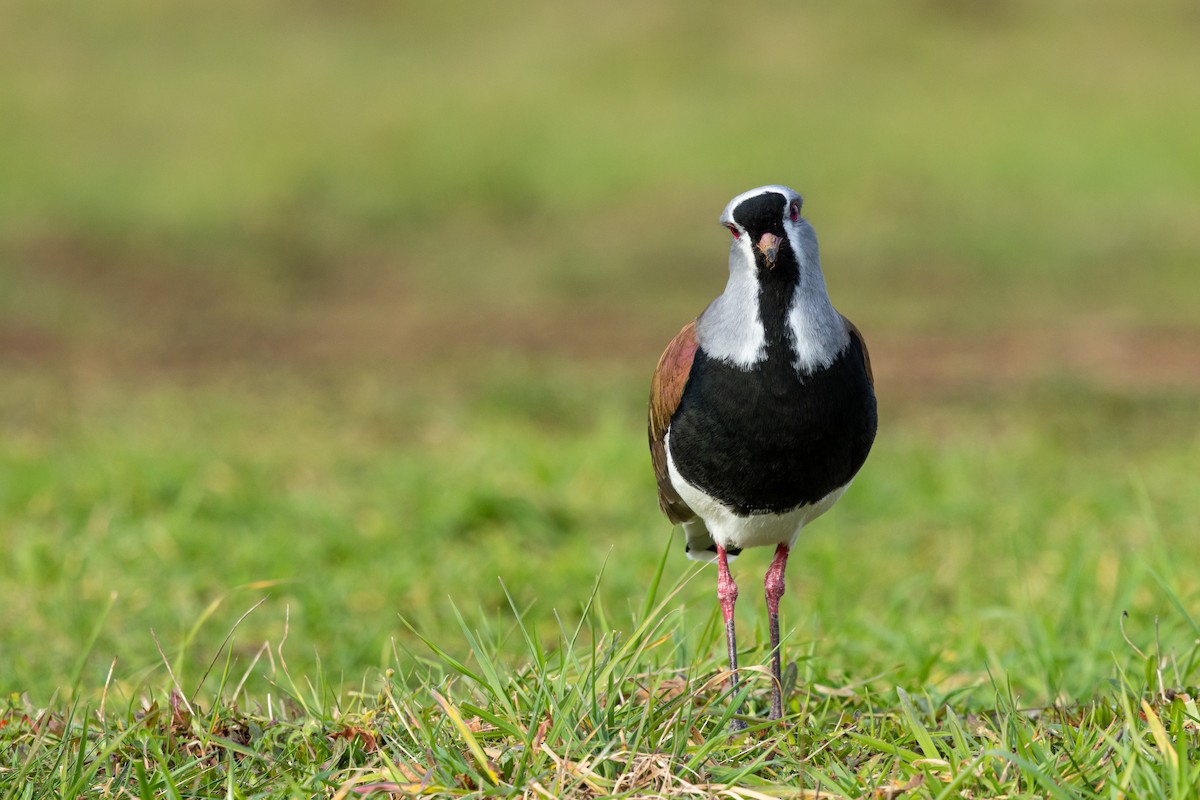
pixel 727 593
pixel 773 586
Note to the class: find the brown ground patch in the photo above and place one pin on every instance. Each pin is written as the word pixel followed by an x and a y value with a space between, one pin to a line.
pixel 1113 356
pixel 416 336
pixel 132 316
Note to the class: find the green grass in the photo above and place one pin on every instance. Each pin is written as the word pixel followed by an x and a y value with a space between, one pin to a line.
pixel 325 335
pixel 609 706
pixel 348 506
pixel 964 605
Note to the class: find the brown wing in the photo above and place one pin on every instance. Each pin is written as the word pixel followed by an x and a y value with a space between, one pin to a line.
pixel 666 389
pixel 857 334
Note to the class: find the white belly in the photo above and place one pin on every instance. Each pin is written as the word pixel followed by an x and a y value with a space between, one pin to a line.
pixel 758 530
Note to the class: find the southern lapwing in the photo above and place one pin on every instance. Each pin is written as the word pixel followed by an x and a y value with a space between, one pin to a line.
pixel 763 409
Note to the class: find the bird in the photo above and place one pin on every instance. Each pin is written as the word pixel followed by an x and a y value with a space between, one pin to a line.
pixel 762 410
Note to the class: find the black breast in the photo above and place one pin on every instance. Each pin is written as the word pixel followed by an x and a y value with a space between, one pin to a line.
pixel 767 439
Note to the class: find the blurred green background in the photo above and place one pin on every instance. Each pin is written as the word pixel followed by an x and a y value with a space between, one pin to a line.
pixel 354 306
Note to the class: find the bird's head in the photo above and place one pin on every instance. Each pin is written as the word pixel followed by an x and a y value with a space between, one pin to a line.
pixel 775 294
pixel 767 229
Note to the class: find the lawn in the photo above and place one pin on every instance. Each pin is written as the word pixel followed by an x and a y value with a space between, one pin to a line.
pixel 325 338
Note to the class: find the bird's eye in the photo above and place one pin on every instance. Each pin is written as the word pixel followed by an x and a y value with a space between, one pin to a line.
pixel 794 210
pixel 736 233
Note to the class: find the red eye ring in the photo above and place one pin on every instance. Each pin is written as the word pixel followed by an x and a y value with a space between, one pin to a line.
pixel 736 233
pixel 794 211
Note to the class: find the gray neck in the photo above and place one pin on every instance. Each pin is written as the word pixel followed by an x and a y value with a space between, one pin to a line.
pixel 731 328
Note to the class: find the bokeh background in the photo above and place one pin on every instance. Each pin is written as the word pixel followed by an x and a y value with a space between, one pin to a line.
pixel 353 306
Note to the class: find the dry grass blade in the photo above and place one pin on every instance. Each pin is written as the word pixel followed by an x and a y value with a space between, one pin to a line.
pixel 579 770
pixel 1161 740
pixel 464 730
